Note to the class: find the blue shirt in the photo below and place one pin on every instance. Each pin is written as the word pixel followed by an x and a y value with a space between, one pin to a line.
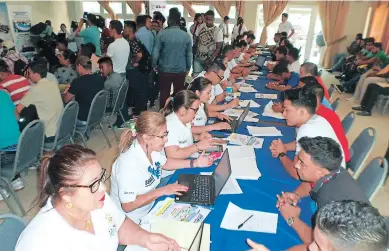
pixel 326 103
pixel 9 127
pixel 92 35
pixel 147 38
pixel 293 80
pixel 173 51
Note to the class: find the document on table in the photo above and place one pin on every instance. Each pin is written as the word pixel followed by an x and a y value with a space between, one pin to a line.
pixel 231 186
pixel 259 222
pixel 250 119
pixel 247 89
pixel 184 233
pixel 268 112
pixel 244 103
pixel 243 163
pixel 243 84
pixel 244 140
pixel 238 112
pixel 264 131
pixel 266 96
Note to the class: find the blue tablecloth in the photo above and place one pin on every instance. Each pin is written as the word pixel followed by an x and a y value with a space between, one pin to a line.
pixel 259 194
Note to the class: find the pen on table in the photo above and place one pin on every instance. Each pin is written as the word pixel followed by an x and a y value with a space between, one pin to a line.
pixel 241 225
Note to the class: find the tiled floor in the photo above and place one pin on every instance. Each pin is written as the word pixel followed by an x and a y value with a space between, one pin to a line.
pixel 107 155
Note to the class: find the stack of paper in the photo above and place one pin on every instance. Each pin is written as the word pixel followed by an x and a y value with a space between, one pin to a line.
pixel 266 96
pixel 251 77
pixel 238 112
pixel 244 140
pixel 231 186
pixel 244 103
pixel 264 131
pixel 268 112
pixel 247 89
pixel 243 163
pixel 257 221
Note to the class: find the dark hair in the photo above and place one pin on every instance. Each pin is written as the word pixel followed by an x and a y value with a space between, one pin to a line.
pixel 285 15
pixel 282 50
pixel 227 48
pixel 209 13
pixel 62 41
pixel 284 34
pixel 184 98
pixel 39 66
pixel 294 53
pixel 353 225
pixel 370 40
pixel 105 60
pixel 174 17
pixel 85 62
pixel 69 55
pixel 154 21
pixel 63 25
pixel 226 18
pixel 141 20
pixel 117 26
pixel 96 20
pixel 74 25
pixel 378 45
pixel 359 36
pixel 301 98
pixel 281 67
pixel 323 151
pixel 61 169
pixel 131 24
pixel 239 37
pixel 4 66
pixel 157 15
pixel 277 34
pixel 183 22
pixel 199 84
pixel 288 44
pixel 241 43
pixel 48 22
pixel 313 85
pixel 88 49
pixel 1 40
pixel 250 35
pixel 218 64
pixel 311 68
pixel 197 15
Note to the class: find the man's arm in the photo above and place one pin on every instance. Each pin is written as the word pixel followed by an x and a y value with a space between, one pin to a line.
pixel 156 50
pixel 303 230
pixel 217 50
pixel 288 165
pixel 291 34
pixel 67 97
pixel 189 54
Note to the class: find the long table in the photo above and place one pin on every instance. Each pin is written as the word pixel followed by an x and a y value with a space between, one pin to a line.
pixel 258 194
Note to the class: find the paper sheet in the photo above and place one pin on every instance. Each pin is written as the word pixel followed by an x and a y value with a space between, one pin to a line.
pixel 231 186
pixel 268 112
pixel 383 84
pixel 244 103
pixel 238 112
pixel 240 151
pixel 250 119
pixel 260 222
pixel 244 140
pixel 264 131
pixel 243 162
pixel 247 89
pixel 266 96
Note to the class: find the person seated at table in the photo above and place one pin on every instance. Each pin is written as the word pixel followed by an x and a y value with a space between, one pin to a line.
pixel 287 80
pixel 310 69
pixel 66 73
pixel 202 88
pixel 300 111
pixel 244 57
pixel 277 37
pixel 286 43
pixel 89 50
pixel 84 88
pixel 62 45
pixel 344 225
pixel 137 171
pixel 230 53
pixel 371 97
pixel 280 55
pixel 292 57
pixel 76 213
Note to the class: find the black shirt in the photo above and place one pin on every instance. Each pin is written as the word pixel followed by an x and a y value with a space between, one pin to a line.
pixel 336 186
pixel 85 88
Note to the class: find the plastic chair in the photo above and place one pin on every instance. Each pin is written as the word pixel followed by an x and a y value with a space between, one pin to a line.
pixel 120 99
pixel 348 122
pixel 373 176
pixel 66 127
pixel 382 103
pixel 361 148
pixel 335 104
pixel 331 90
pixel 11 226
pixel 95 116
pixel 28 152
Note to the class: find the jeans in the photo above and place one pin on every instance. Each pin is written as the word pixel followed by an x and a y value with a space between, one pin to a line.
pixel 349 85
pixel 165 82
pixel 371 96
pixel 363 83
pixel 154 87
pixel 138 90
pixel 339 60
pixel 198 66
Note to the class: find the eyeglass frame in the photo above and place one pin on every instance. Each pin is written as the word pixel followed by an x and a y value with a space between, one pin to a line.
pixel 100 180
pixel 163 136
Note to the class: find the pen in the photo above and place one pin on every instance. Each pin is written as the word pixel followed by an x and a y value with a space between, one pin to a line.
pixel 241 225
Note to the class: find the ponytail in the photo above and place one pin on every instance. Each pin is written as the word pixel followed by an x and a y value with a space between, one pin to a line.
pixel 45 184
pixel 169 108
pixel 126 139
pixel 184 98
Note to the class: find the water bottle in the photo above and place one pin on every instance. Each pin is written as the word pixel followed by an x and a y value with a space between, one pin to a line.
pixel 230 93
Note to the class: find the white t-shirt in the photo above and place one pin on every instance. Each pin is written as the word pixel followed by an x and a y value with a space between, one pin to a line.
pixel 217 34
pixel 179 135
pixel 215 90
pixel 235 31
pixel 50 231
pixel 241 57
pixel 294 67
pixel 231 64
pixel 315 127
pixel 119 51
pixel 285 27
pixel 133 175
pixel 201 117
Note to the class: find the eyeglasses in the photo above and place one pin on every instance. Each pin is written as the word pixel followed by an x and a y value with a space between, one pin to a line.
pixel 96 184
pixel 162 136
pixel 194 109
pixel 217 74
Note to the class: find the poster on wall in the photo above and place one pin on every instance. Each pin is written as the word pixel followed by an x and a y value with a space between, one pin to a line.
pixel 20 18
pixel 5 29
pixel 159 6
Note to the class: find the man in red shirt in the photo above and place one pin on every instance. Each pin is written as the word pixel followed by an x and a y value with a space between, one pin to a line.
pixel 310 69
pixel 15 85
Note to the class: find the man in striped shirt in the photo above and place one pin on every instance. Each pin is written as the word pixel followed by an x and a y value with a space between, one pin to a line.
pixel 15 85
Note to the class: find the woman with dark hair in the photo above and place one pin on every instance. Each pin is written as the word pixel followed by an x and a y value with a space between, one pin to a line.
pixel 284 42
pixel 183 24
pixel 63 30
pixel 76 212
pixel 198 19
pixel 238 29
pixel 92 33
pixel 66 73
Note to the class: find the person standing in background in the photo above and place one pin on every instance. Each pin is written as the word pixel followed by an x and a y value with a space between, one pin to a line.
pixel 224 27
pixel 239 29
pixel 286 26
pixel 143 24
pixel 118 50
pixel 63 30
pixel 92 33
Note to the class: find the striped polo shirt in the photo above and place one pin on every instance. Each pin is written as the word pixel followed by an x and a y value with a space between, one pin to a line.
pixel 16 86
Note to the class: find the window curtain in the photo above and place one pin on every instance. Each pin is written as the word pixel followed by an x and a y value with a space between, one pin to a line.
pixel 333 16
pixel 105 5
pixel 188 7
pixel 136 6
pixel 240 7
pixel 379 28
pixel 271 11
pixel 222 7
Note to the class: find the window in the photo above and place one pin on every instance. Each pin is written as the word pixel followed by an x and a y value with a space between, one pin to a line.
pixel 129 10
pixel 271 29
pixel 201 8
pixel 232 13
pixel 117 7
pixel 91 7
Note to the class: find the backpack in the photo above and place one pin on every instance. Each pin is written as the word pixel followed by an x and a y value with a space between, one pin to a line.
pixel 38 28
pixel 145 64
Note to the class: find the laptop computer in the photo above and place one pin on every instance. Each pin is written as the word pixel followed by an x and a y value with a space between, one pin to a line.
pixel 235 123
pixel 196 243
pixel 260 62
pixel 204 189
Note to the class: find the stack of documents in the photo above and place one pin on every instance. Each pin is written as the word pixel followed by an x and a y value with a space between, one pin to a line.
pixel 237 218
pixel 266 96
pixel 244 140
pixel 268 112
pixel 264 131
pixel 231 186
pixel 243 163
pixel 244 103
pixel 237 112
pixel 247 89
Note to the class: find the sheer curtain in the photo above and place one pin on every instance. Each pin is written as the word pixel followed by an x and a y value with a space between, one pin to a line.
pixel 240 7
pixel 136 7
pixel 222 7
pixel 188 7
pixel 105 5
pixel 379 28
pixel 271 11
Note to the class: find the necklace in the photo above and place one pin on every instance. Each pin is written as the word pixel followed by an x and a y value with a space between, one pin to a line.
pixel 88 224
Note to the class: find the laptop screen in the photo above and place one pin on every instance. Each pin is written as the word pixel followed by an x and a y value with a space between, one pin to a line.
pixel 222 172
pixel 260 61
pixel 242 116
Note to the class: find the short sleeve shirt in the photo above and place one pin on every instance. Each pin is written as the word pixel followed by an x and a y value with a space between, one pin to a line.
pixel 65 75
pixel 118 51
pixel 216 90
pixel 49 229
pixel 9 127
pixel 112 85
pixel 285 27
pixel 92 35
pixel 383 58
pixel 231 64
pixel 134 175
pixel 201 116
pixel 294 67
pixel 207 38
pixel 293 80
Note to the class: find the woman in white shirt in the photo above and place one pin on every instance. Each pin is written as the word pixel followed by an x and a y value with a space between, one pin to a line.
pixel 63 30
pixel 137 171
pixel 202 87
pixel 238 29
pixel 77 214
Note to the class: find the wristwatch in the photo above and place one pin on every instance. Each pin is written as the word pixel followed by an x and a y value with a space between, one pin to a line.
pixel 290 221
pixel 281 155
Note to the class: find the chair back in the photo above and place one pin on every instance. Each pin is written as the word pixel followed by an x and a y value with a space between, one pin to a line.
pixel 66 124
pixel 331 90
pixel 348 122
pixel 97 110
pixel 335 104
pixel 11 226
pixel 373 176
pixel 121 97
pixel 361 148
pixel 30 146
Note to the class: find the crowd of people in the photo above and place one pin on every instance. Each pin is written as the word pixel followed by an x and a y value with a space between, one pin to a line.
pixel 151 57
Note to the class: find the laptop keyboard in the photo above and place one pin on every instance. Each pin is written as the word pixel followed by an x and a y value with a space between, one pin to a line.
pixel 202 191
pixel 232 124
